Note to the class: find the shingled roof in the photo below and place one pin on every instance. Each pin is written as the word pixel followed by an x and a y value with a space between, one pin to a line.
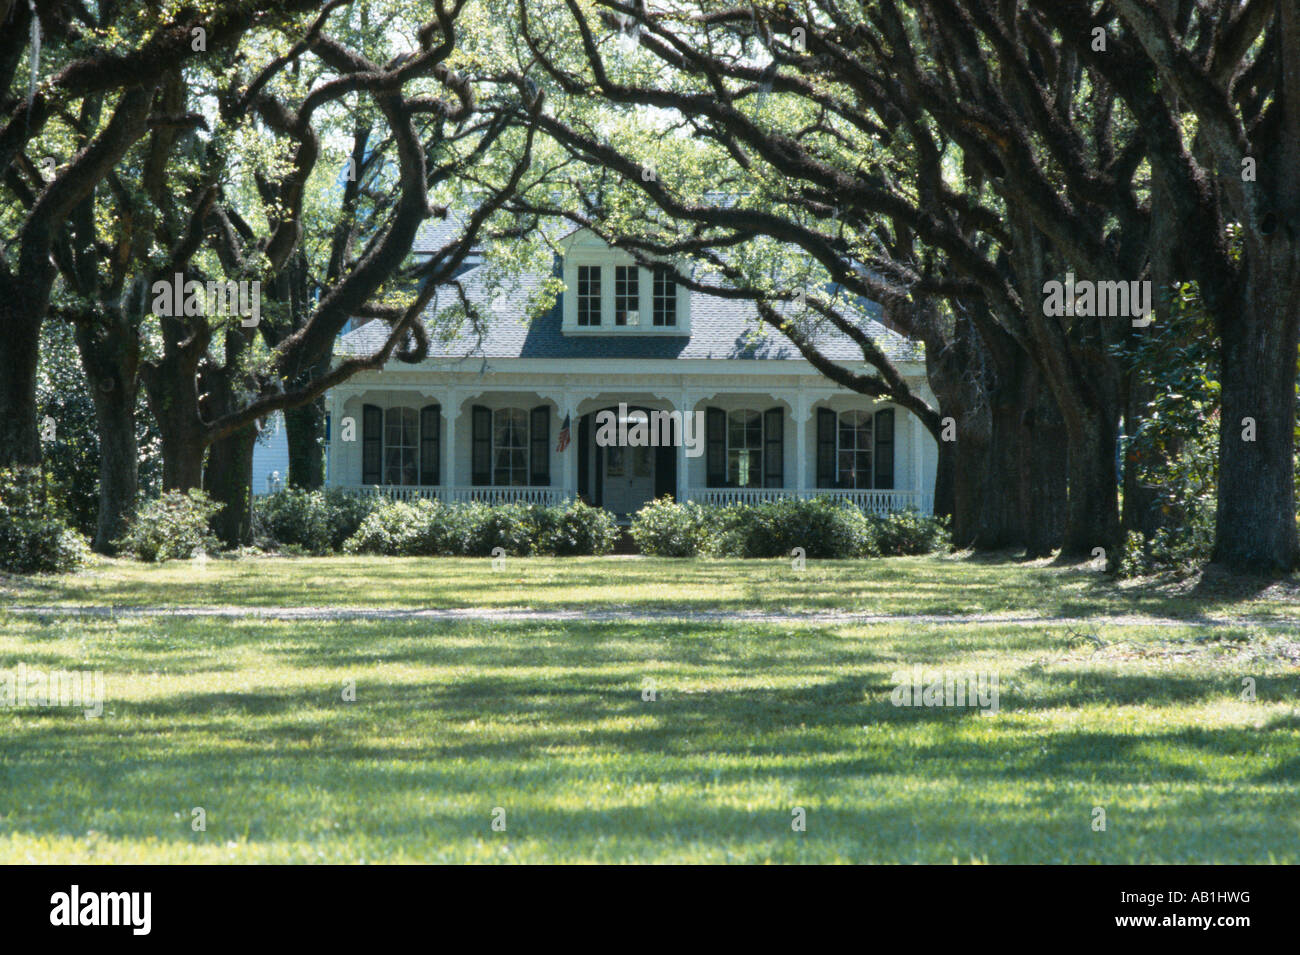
pixel 720 329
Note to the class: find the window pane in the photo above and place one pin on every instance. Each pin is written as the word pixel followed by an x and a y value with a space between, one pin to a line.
pixel 510 447
pixel 744 449
pixel 588 295
pixel 853 465
pixel 665 298
pixel 400 437
pixel 627 292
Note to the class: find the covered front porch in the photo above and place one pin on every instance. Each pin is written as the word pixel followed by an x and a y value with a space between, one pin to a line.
pixel 536 445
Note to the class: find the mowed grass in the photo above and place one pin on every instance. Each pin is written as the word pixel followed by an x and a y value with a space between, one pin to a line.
pixel 907 585
pixel 547 721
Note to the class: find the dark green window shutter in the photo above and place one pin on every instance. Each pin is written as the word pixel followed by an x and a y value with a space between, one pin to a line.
pixel 774 448
pixel 372 444
pixel 826 424
pixel 715 437
pixel 480 445
pixel 539 460
pixel 885 449
pixel 430 424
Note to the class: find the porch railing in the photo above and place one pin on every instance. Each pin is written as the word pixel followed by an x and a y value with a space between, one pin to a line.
pixel 877 501
pixel 460 495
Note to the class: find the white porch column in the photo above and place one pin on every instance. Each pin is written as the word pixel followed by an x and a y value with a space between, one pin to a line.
pixel 569 456
pixel 801 411
pixel 331 469
pixel 916 464
pixel 686 405
pixel 448 476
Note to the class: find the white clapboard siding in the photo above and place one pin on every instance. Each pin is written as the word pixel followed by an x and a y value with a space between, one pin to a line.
pixel 271 456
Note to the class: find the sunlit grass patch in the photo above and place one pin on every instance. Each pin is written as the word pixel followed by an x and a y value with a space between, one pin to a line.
pixel 943 585
pixel 550 721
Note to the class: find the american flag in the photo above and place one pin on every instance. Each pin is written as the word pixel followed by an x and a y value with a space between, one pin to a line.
pixel 564 436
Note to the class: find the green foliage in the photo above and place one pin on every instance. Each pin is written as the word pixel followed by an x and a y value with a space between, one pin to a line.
pixel 823 527
pixel 395 529
pixel 34 533
pixel 317 522
pixel 576 530
pixel 71 455
pixel 171 527
pixel 508 526
pixel 909 533
pixel 427 528
pixel 1179 549
pixel 664 528
pixel 1174 448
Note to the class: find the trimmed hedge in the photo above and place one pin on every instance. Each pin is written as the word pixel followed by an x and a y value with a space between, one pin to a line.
pixel 427 528
pixel 906 533
pixel 664 528
pixel 34 534
pixel 824 527
pixel 171 527
pixel 317 522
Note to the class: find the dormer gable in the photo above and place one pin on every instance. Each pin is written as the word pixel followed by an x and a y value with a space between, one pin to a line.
pixel 606 292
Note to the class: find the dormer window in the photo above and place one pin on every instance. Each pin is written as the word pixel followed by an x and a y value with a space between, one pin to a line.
pixel 607 292
pixel 665 297
pixel 589 295
pixel 627 295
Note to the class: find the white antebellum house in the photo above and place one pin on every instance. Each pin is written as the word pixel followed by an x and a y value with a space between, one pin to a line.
pixel 482 418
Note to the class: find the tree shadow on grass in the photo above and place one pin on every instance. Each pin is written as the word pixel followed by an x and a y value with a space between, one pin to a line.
pixel 306 758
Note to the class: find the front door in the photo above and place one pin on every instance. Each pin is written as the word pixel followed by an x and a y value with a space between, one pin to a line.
pixel 629 479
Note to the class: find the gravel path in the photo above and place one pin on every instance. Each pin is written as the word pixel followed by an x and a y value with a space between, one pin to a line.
pixel 509 614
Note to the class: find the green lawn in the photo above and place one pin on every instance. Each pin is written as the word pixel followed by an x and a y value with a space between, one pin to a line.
pixel 905 585
pixel 547 721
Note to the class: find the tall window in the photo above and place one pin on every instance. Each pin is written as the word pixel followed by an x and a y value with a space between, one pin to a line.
pixel 510 446
pixel 665 297
pixel 589 295
pixel 627 294
pixel 401 437
pixel 744 449
pixel 853 457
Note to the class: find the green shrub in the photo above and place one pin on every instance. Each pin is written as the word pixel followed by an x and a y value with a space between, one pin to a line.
pixel 346 512
pixel 34 533
pixel 664 528
pixel 575 530
pixel 508 526
pixel 316 521
pixel 824 527
pixel 171 527
pixel 429 529
pixel 904 533
pixel 1179 550
pixel 294 518
pixel 395 529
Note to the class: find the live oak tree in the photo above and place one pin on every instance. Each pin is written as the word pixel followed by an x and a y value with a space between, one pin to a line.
pixel 1015 142
pixel 1216 87
pixel 250 191
pixel 810 166
pixel 59 68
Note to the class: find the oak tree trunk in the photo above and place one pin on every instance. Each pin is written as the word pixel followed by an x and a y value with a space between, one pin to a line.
pixel 228 479
pixel 1255 522
pixel 20 349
